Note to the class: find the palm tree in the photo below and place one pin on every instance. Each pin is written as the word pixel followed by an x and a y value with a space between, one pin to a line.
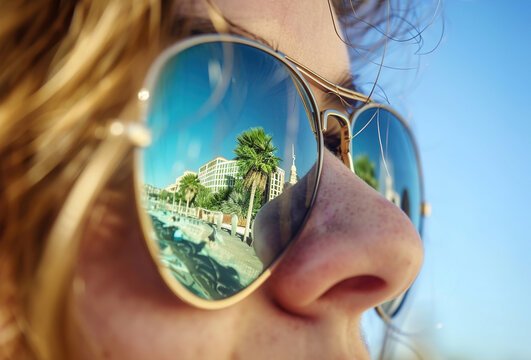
pixel 190 186
pixel 219 197
pixel 256 158
pixel 204 197
pixel 235 204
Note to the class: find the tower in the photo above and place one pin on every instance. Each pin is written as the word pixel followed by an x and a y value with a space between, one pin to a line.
pixel 293 172
pixel 386 171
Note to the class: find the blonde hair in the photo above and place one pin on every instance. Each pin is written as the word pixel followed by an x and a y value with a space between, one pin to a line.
pixel 66 68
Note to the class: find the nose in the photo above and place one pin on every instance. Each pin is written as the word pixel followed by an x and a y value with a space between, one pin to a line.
pixel 357 250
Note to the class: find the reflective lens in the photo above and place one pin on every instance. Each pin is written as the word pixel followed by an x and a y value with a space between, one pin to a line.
pixel 385 157
pixel 232 169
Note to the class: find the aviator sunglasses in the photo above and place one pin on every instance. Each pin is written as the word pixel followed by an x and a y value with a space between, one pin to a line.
pixel 229 158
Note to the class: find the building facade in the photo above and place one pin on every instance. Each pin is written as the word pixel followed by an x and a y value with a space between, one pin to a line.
pixel 275 185
pixel 175 187
pixel 220 173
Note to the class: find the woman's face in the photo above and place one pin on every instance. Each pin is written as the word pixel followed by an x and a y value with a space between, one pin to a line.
pixel 357 250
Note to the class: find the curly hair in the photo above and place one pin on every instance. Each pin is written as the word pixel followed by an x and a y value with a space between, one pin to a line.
pixel 67 68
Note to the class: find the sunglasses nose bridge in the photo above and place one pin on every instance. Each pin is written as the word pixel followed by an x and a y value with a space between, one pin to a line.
pixel 344 130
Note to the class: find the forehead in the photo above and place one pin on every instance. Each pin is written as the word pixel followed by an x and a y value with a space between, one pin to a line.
pixel 302 29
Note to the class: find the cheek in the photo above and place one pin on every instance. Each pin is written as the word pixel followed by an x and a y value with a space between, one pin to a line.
pixel 120 308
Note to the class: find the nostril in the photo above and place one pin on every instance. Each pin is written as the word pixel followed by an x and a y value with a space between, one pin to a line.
pixel 362 283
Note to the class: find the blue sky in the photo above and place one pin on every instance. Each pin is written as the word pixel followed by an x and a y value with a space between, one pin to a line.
pixel 470 106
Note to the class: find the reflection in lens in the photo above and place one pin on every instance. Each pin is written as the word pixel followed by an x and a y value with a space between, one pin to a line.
pixel 217 161
pixel 384 156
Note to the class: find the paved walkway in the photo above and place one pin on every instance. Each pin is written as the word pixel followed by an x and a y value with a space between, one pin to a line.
pixel 226 249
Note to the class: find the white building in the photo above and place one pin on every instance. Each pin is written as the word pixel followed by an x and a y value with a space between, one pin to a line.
pixel 176 186
pixel 218 173
pixel 221 173
pixel 275 184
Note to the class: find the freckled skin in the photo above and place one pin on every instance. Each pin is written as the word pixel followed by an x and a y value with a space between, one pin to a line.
pixel 356 251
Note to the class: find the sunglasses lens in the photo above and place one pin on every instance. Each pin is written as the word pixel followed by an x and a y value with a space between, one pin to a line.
pixel 384 156
pixel 232 169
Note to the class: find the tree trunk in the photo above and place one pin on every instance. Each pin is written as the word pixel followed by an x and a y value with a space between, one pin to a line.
pixel 249 213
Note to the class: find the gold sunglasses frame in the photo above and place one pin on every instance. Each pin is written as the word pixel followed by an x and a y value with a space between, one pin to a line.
pixel 320 125
pixel 54 277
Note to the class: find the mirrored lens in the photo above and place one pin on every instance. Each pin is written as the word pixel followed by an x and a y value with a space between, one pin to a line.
pixel 384 156
pixel 231 172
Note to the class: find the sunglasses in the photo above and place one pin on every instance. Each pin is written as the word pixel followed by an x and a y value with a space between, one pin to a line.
pixel 229 161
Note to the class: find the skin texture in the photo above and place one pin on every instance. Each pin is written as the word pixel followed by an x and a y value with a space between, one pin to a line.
pixel 351 256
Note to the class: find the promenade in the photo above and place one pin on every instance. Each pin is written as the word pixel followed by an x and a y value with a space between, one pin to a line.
pixel 220 245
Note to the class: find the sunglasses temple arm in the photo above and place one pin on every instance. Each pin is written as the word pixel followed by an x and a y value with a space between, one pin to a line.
pixel 328 85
